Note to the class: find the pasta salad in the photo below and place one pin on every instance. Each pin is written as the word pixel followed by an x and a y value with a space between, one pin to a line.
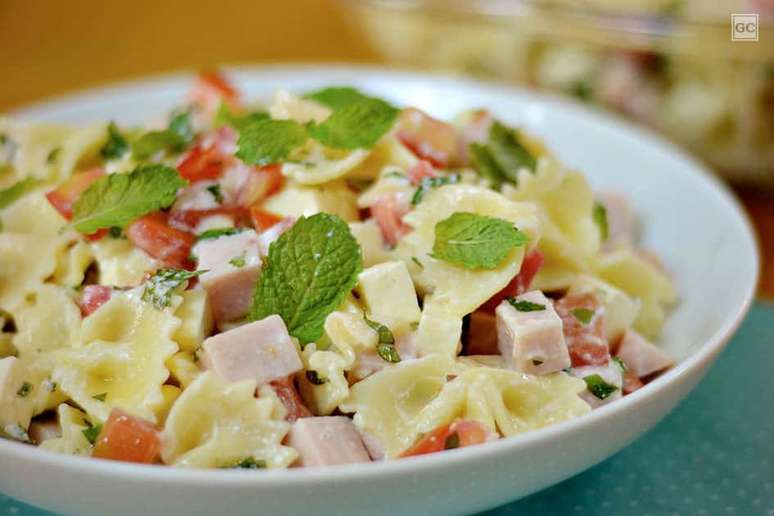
pixel 327 279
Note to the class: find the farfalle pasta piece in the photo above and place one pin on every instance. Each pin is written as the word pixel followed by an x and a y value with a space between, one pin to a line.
pixel 215 423
pixel 332 387
pixel 121 264
pixel 72 442
pixel 120 361
pixel 397 405
pixel 462 290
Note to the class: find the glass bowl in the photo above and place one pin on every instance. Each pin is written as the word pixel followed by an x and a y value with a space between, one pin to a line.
pixel 669 64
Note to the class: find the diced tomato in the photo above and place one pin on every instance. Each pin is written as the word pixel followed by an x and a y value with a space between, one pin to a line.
pixel 263 220
pixel 186 220
pixel 65 195
pixel 631 382
pixel 201 163
pixel 261 183
pixel 520 283
pixel 93 297
pixel 155 236
pixel 211 89
pixel 288 395
pixel 454 435
pixel 586 342
pixel 420 170
pixel 428 138
pixel 127 438
pixel 388 213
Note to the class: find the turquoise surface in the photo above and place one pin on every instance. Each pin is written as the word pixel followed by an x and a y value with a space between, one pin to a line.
pixel 713 455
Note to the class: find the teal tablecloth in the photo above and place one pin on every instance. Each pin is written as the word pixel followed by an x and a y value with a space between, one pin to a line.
pixel 713 455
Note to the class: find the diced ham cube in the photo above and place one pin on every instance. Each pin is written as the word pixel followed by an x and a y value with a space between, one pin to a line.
pixel 481 338
pixel 273 233
pixel 419 171
pixel 388 212
pixel 262 351
pixel 641 356
pixel 428 138
pixel 585 340
pixel 44 430
pixel 373 445
pixel 610 374
pixel 532 341
pixel 326 441
pixel 622 225
pixel 288 394
pixel 93 297
pixel 233 264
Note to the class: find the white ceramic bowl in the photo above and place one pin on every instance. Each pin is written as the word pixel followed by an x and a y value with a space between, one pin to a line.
pixel 689 218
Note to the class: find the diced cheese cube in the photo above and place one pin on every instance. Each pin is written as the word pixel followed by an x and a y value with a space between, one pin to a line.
pixel 620 309
pixel 369 236
pixel 326 441
pixel 532 341
pixel 16 402
pixel 195 320
pixel 262 351
pixel 439 332
pixel 642 356
pixel 610 374
pixel 295 201
pixel 388 292
pixel 233 264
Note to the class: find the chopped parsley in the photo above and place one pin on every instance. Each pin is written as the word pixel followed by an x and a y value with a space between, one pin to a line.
pixel 216 193
pixel 599 387
pixel 238 261
pixel 100 397
pixel 164 282
pixel 416 260
pixel 24 390
pixel 314 377
pixel 620 363
pixel 211 234
pixel 116 145
pixel 53 156
pixel 522 305
pixel 385 346
pixel 452 441
pixel 583 315
pixel 474 241
pixel 91 433
pixel 249 463
pixel 600 219
pixel 431 183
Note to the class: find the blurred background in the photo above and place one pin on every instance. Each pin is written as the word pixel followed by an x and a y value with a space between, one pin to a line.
pixel 669 64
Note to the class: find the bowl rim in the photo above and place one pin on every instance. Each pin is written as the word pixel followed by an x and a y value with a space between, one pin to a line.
pixel 234 478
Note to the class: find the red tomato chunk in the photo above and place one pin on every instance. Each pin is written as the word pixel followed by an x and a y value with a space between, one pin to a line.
pixel 127 438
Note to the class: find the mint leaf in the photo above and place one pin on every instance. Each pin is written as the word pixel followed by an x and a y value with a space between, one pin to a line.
pixel 599 214
pixel 118 199
pixel 474 241
pixel 164 282
pixel 431 183
pixel 355 126
pixel 211 234
pixel 14 192
pixel 309 270
pixel 269 141
pixel 173 139
pixel 238 122
pixel 599 387
pixel 116 145
pixel 501 157
pixel 336 97
pixel 522 305
pixel 583 315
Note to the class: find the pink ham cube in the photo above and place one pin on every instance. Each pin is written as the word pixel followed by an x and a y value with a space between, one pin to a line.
pixel 262 351
pixel 233 264
pixel 531 340
pixel 641 356
pixel 326 441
